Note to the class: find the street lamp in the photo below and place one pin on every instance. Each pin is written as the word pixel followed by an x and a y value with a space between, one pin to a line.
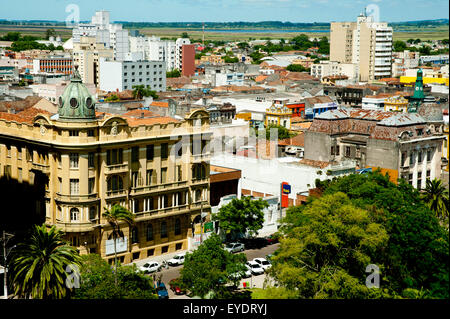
pixel 6 238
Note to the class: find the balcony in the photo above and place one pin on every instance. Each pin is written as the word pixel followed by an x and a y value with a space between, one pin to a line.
pixel 116 168
pixel 76 198
pixel 44 168
pixel 157 187
pixel 197 158
pixel 116 193
pixel 158 213
pixel 75 226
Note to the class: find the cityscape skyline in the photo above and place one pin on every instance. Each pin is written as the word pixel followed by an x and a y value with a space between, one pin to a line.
pixel 229 10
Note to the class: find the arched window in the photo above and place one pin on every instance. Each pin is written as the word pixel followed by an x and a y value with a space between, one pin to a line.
pixel 149 232
pixel 177 226
pixel 74 214
pixel 203 171
pixel 134 235
pixel 163 229
pixel 115 183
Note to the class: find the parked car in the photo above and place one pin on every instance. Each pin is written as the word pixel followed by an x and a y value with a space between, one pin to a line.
pixel 162 291
pixel 234 247
pixel 150 267
pixel 241 274
pixel 272 239
pixel 175 286
pixel 177 260
pixel 255 268
pixel 263 263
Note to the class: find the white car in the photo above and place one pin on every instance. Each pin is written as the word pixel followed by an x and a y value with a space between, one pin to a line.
pixel 177 260
pixel 255 268
pixel 150 267
pixel 263 263
pixel 241 274
pixel 234 247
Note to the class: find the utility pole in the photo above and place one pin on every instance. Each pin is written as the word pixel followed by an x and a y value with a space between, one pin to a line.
pixel 203 39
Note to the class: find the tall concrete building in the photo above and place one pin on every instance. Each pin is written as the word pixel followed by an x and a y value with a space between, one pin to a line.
pixel 82 162
pixel 366 43
pixel 86 55
pixel 112 35
pixel 123 75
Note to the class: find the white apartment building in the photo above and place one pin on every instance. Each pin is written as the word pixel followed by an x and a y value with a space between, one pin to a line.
pixel 155 49
pixel 403 61
pixel 112 35
pixel 123 75
pixel 332 68
pixel 365 43
pixel 373 103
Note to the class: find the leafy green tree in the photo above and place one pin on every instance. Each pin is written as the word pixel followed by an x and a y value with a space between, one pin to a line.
pixel 228 59
pixel 98 281
pixel 112 98
pixel 139 91
pixel 436 197
pixel 173 74
pixel 399 46
pixel 327 249
pixel 11 36
pixel 283 132
pixel 425 50
pixel 241 215
pixel 243 45
pixel 115 216
pixel 39 265
pixel 296 68
pixel 185 35
pixel 324 46
pixel 208 268
pixel 49 33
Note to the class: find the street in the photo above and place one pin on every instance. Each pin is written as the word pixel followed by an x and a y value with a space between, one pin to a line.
pixel 174 272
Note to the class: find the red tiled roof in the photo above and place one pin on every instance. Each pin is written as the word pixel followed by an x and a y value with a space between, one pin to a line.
pixel 160 104
pixel 298 140
pixel 314 163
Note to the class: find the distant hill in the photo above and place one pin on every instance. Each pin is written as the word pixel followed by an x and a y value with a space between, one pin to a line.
pixel 232 25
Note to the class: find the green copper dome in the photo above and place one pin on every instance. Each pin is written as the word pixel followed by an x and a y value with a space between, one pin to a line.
pixel 76 103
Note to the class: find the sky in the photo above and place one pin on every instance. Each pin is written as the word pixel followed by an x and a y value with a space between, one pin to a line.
pixel 227 10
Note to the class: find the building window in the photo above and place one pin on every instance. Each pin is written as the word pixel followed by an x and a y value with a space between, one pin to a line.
pixel 347 151
pixel 134 179
pixel 134 235
pixel 73 133
pixel 91 184
pixel 164 150
pixel 178 246
pixel 164 249
pixel 429 154
pixel 74 160
pixel 149 176
pixel 150 252
pixel 92 213
pixel 428 174
pixel 74 214
pixel 332 150
pixel 419 157
pixel 149 232
pixel 165 201
pixel 150 152
pixel 177 226
pixel 163 229
pixel 90 133
pixel 198 195
pixel 115 183
pixel 74 187
pixel 411 158
pixel 163 175
pixel 419 132
pixel 358 153
pixel 91 160
pixel 337 149
pixel 403 161
pixel 410 179
pixel 114 156
pixel 135 154
pixel 179 173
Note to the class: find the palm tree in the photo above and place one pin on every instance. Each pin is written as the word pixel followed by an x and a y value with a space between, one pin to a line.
pixel 114 216
pixel 39 264
pixel 436 196
pixel 139 91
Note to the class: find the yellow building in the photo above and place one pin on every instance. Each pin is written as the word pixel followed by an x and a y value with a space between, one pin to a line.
pixel 396 103
pixel 213 59
pixel 91 161
pixel 279 114
pixel 426 80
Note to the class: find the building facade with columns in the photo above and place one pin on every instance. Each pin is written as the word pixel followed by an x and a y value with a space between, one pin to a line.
pixel 157 167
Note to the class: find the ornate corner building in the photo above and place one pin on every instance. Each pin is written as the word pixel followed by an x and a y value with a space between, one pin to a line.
pixel 157 167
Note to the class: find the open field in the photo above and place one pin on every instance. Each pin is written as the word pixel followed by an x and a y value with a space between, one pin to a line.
pixel 65 33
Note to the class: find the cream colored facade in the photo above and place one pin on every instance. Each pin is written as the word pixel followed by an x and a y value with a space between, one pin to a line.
pixel 96 163
pixel 365 43
pixel 86 56
pixel 279 114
